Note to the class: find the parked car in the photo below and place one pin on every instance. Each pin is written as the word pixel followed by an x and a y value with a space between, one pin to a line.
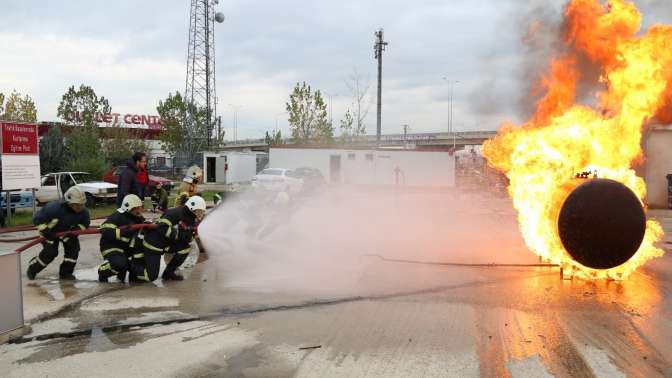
pixel 55 184
pixel 112 176
pixel 18 200
pixel 278 179
pixel 312 178
pixel 160 170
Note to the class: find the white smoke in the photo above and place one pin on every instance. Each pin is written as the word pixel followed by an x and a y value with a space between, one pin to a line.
pixel 322 244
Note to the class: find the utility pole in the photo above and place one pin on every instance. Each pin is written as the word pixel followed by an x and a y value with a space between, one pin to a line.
pixel 405 132
pixel 379 47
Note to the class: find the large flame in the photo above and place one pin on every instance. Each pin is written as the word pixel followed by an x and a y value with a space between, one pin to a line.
pixel 541 156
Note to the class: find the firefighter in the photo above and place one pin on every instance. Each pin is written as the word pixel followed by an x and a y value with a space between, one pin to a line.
pixel 189 185
pixel 117 240
pixel 64 215
pixel 174 233
pixel 160 198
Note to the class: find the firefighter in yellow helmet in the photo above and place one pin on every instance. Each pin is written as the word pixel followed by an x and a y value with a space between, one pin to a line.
pixel 189 185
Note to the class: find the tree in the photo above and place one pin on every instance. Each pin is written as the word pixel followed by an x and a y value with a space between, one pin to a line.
pixel 17 108
pixel 79 107
pixel 119 144
pixel 308 116
pixel 347 124
pixel 52 151
pixel 359 88
pixel 183 133
pixel 83 152
pixel 274 138
pixel 83 147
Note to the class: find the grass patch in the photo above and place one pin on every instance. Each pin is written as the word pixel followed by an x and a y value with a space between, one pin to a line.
pixel 20 218
pixel 208 196
pixel 103 210
pixel 23 217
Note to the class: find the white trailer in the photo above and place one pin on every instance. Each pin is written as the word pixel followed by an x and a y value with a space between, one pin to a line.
pixel 229 167
pixel 431 168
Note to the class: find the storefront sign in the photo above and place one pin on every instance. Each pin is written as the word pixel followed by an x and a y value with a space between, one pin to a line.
pixel 150 121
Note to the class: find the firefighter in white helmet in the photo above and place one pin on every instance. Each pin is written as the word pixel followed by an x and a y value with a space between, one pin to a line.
pixel 175 231
pixel 65 215
pixel 118 238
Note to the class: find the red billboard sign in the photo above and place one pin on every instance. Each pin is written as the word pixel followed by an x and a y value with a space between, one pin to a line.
pixel 19 139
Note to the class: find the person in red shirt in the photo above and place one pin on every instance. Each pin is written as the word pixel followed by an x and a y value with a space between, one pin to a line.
pixel 143 180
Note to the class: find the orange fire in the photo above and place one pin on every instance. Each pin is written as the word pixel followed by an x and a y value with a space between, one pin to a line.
pixel 562 138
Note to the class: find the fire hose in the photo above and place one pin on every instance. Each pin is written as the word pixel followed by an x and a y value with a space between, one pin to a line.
pixel 88 231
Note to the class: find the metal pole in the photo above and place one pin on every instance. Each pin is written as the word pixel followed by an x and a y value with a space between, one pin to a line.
pixel 450 106
pixel 219 129
pixel 380 90
pixel 8 202
pixel 34 201
pixel 379 48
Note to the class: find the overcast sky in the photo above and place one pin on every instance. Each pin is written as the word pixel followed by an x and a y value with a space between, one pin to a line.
pixel 134 53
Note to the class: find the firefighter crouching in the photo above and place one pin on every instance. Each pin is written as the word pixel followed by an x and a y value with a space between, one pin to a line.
pixel 117 240
pixel 64 215
pixel 174 233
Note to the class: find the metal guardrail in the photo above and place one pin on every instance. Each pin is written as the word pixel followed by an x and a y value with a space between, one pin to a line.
pixel 417 138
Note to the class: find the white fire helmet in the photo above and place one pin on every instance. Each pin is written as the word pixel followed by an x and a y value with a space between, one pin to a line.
pixel 75 195
pixel 193 173
pixel 196 203
pixel 130 202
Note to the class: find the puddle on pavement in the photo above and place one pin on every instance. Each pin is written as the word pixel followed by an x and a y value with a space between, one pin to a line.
pixel 55 289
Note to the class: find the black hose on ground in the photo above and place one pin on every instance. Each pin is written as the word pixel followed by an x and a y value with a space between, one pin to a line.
pixel 465 265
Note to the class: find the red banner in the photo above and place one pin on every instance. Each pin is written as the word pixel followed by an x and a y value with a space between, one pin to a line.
pixel 19 139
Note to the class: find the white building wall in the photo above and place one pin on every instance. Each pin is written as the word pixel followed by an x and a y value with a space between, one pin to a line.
pixel 372 167
pixel 293 158
pixel 658 165
pixel 155 150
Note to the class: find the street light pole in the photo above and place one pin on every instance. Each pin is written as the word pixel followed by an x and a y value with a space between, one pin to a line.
pixel 235 121
pixel 276 120
pixel 331 106
pixel 451 85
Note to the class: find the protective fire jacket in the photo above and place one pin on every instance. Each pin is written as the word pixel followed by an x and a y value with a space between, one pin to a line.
pixel 175 231
pixel 57 216
pixel 116 233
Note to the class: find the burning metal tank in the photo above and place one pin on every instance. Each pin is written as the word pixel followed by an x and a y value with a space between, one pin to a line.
pixel 601 224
